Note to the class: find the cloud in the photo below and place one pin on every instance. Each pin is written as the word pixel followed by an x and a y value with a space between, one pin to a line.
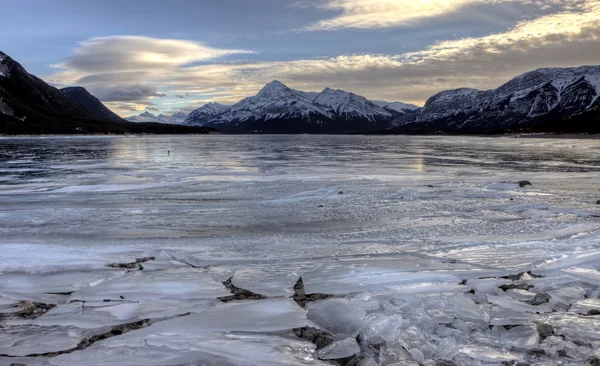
pixel 122 68
pixel 395 13
pixel 569 36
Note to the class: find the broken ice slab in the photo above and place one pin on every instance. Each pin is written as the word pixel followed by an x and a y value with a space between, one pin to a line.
pixel 59 282
pixel 192 347
pixel 586 306
pixel 567 295
pixel 574 326
pixel 518 306
pixel 29 340
pixel 344 275
pixel 82 315
pixel 184 283
pixel 487 353
pixel 446 350
pixel 590 275
pixel 526 336
pixel 509 317
pixel 339 349
pixel 269 315
pixel 35 297
pixel 338 316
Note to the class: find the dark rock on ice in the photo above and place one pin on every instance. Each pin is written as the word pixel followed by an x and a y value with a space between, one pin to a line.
pixel 540 299
pixel 562 353
pixel 302 298
pixel 239 293
pixel 545 330
pixel 31 310
pixel 595 361
pixel 513 286
pixel 321 338
pixel 524 183
pixel 519 275
pixel 593 312
pixel 370 347
pixel 133 265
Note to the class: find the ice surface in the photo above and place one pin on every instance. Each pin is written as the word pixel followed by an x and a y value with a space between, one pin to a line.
pixel 412 233
pixel 339 349
pixel 526 336
pixel 183 283
pixel 338 316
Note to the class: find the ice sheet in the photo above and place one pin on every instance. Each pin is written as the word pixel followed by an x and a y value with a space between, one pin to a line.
pixel 412 233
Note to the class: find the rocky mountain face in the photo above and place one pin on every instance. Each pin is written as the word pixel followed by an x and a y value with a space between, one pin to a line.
pixel 529 101
pixel 204 114
pixel 27 100
pixel 396 107
pixel 280 109
pixel 30 106
pixel 174 119
pixel 90 103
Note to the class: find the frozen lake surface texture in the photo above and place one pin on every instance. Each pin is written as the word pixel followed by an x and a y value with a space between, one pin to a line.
pixel 411 250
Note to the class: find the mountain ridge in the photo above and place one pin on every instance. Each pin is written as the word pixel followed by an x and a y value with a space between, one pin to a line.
pixel 276 108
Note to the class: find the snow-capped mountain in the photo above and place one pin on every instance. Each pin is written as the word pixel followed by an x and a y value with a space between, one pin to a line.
pixel 351 106
pixel 527 100
pixel 396 107
pixel 279 109
pixel 204 114
pixel 174 119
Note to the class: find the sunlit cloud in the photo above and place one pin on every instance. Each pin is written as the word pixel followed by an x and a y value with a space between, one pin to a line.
pixel 395 13
pixel 134 75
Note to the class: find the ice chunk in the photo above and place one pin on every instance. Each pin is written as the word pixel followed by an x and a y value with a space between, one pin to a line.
pixel 507 317
pixel 585 306
pixel 268 315
pixel 518 306
pixel 192 347
pixel 29 340
pixel 339 349
pixel 590 275
pixel 488 353
pixel 522 337
pixel 446 350
pixel 184 283
pixel 338 316
pixel 417 355
pixel 487 286
pixel 567 295
pixel 503 186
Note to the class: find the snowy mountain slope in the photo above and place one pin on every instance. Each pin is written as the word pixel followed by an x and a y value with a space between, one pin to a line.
pixel 350 105
pixel 274 101
pixel 174 119
pixel 279 109
pixel 397 107
pixel 204 114
pixel 542 94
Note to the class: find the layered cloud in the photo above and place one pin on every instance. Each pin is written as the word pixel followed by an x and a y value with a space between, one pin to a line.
pixel 396 13
pixel 132 73
pixel 122 68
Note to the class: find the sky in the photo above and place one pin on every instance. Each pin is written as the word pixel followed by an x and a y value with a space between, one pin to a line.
pixel 177 55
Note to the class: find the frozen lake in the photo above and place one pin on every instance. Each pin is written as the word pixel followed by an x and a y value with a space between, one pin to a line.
pixel 411 234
